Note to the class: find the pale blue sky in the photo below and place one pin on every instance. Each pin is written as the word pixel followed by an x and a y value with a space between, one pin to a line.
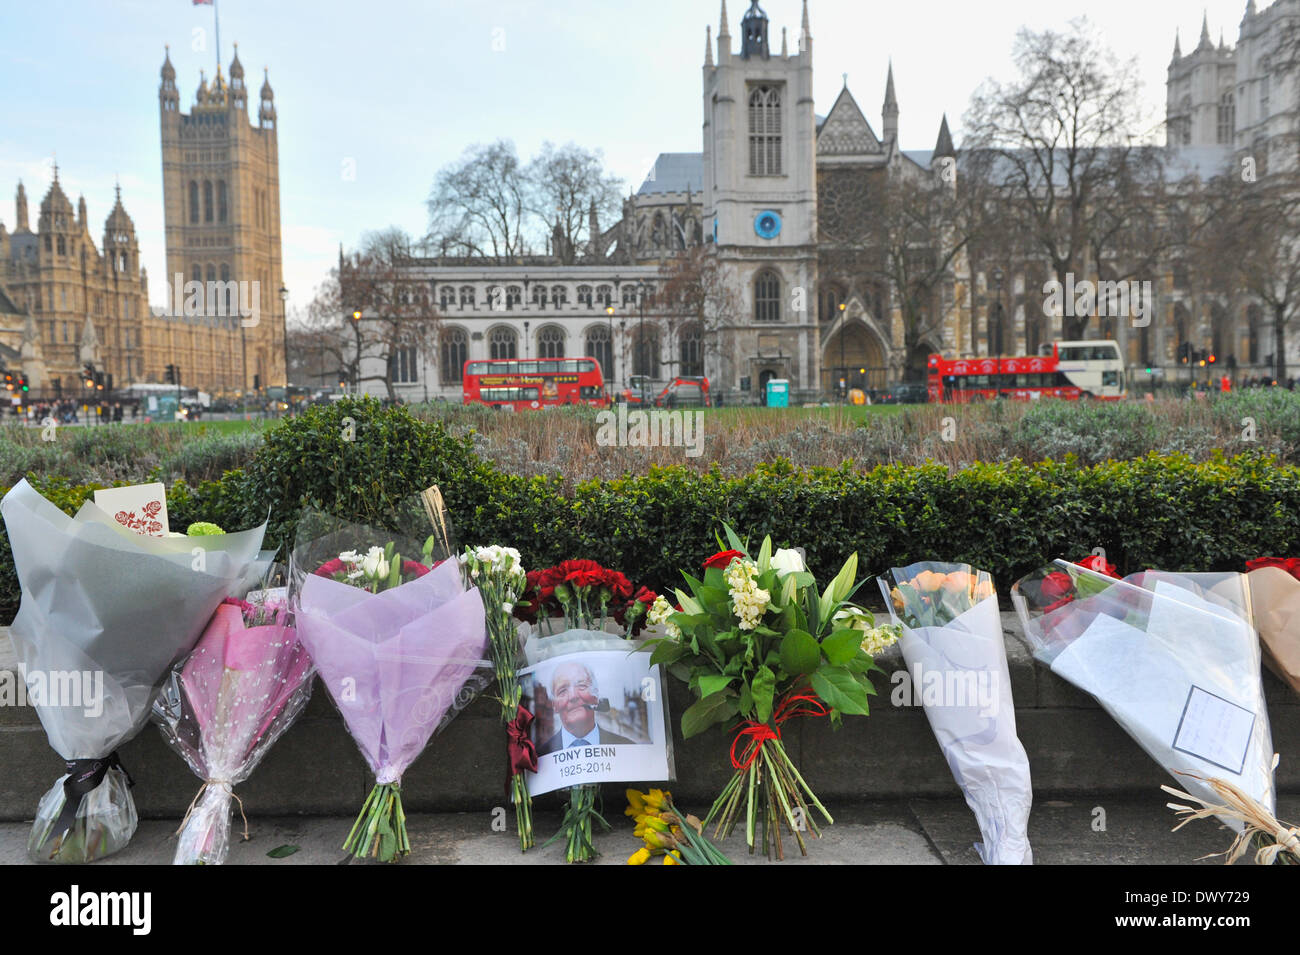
pixel 401 87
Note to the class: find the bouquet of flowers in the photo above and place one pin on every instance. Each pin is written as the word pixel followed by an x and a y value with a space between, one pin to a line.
pixel 957 662
pixel 498 573
pixel 110 609
pixel 399 644
pixel 1172 657
pixel 243 686
pixel 1274 584
pixel 586 596
pixel 759 644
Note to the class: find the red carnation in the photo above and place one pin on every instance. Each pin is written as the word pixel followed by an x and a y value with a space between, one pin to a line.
pixel 723 558
pixel 619 586
pixel 1290 564
pixel 1100 565
pixel 414 568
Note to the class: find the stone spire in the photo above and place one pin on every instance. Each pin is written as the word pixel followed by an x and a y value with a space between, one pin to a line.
pixel 20 209
pixel 944 147
pixel 889 113
pixel 1206 43
pixel 708 45
pixel 785 49
pixel 723 29
pixel 1178 46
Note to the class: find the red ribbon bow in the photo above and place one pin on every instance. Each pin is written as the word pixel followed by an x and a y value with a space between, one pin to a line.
pixel 793 704
pixel 522 754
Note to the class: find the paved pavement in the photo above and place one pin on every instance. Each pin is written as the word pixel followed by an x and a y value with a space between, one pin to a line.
pixel 1077 830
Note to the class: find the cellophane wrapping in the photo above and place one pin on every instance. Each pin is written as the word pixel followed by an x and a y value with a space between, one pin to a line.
pixel 1172 657
pixel 401 663
pixel 952 643
pixel 241 689
pixel 119 608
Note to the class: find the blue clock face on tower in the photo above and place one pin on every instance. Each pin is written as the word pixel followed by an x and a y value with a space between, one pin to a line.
pixel 767 225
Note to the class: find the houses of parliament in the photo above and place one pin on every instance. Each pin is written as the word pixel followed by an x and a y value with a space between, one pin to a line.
pixel 66 302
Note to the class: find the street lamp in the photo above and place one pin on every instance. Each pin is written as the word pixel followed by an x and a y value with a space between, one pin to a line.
pixel 995 338
pixel 527 352
pixel 640 338
pixel 609 313
pixel 843 370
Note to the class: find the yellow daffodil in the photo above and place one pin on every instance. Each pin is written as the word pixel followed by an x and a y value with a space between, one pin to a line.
pixel 635 803
pixel 660 840
pixel 640 857
pixel 654 799
pixel 672 858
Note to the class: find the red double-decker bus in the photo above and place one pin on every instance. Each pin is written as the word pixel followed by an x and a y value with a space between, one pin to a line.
pixel 1069 370
pixel 526 383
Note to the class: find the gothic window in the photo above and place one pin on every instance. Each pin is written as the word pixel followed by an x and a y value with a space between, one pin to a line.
pixel 767 297
pixel 502 343
pixel 514 296
pixel 227 293
pixel 455 351
pixel 466 296
pixel 49 244
pixel 559 295
pixel 539 296
pixel 402 367
pixel 765 131
pixel 63 246
pixel 196 272
pixel 600 347
pixel 194 202
pixel 496 298
pixel 832 298
pixel 550 342
pixel 1227 117
pixel 584 295
pixel 629 295
pixel 690 348
pixel 221 200
pixel 605 294
pixel 658 237
pixel 207 200
pixel 446 297
pixel 1263 96
pixel 645 352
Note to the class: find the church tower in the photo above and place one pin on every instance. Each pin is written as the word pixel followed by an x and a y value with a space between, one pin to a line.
pixel 221 194
pixel 760 198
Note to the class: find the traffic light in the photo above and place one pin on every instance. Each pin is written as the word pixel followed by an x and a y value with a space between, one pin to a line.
pixel 88 373
pixel 171 374
pixel 1212 359
pixel 257 382
pixel 9 381
pixel 22 383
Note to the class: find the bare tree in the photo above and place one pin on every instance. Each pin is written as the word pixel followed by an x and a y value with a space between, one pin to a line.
pixel 695 294
pixel 1060 144
pixel 565 185
pixel 479 204
pixel 371 309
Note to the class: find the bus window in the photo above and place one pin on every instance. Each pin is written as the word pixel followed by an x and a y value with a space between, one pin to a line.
pixel 586 364
pixel 477 368
pixel 548 367
pixel 1110 379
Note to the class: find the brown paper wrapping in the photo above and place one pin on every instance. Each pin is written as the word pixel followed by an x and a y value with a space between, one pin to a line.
pixel 1275 596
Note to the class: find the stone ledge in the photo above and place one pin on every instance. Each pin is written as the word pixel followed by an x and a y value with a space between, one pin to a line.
pixel 1073 745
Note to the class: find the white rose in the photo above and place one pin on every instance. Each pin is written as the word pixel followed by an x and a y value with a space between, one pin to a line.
pixel 787 561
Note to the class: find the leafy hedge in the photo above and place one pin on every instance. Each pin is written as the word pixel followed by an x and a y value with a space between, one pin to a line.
pixel 354 458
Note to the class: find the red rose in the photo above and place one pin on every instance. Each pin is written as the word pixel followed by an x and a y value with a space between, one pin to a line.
pixel 723 558
pixel 1056 585
pixel 330 568
pixel 1100 565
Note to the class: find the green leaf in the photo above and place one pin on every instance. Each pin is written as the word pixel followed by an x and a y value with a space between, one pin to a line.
pixel 842 646
pixel 688 603
pixel 279 852
pixel 842 585
pixel 764 688
pixel 765 555
pixel 667 652
pixel 714 683
pixel 735 542
pixel 702 714
pixel 800 653
pixel 787 591
pixel 841 690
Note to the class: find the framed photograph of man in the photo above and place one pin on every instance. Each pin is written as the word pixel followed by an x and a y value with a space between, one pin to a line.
pixel 598 718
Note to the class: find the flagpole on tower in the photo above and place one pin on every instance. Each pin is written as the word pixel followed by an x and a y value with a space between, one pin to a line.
pixel 216 25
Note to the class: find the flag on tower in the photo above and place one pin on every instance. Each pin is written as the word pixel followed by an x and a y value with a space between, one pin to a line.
pixel 200 3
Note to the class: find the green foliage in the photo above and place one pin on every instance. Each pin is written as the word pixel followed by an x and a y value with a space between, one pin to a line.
pixel 1008 518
